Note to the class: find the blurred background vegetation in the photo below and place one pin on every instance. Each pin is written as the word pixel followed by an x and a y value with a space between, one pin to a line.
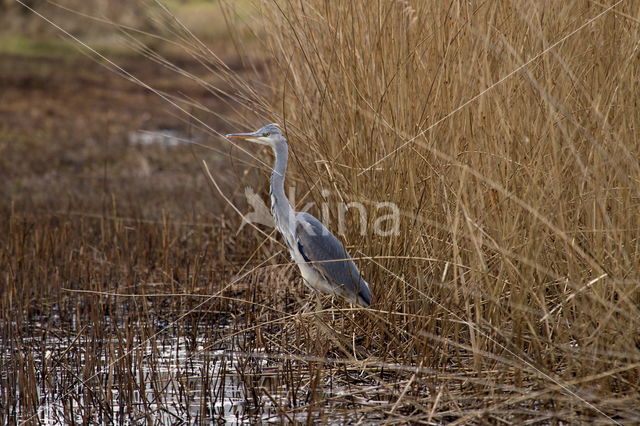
pixel 69 116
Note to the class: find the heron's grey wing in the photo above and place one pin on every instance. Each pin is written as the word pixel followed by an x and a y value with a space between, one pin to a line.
pixel 327 255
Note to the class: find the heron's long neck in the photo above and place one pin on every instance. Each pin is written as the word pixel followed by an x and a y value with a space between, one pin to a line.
pixel 280 206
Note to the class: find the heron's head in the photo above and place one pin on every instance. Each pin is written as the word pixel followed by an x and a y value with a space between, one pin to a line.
pixel 269 135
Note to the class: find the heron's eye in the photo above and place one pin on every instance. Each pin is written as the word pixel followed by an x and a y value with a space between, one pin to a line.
pixel 266 134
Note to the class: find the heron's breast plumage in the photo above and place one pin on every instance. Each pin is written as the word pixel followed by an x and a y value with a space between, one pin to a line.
pixel 311 276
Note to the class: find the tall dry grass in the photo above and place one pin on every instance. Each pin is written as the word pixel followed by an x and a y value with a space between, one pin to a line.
pixel 507 135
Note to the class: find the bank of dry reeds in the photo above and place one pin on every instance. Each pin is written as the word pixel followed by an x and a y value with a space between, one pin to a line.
pixel 507 135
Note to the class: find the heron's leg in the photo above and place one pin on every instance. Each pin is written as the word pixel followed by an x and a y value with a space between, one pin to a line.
pixel 333 311
pixel 318 302
pixel 353 343
pixel 306 307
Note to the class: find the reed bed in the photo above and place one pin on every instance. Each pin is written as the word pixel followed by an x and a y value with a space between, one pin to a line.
pixel 506 135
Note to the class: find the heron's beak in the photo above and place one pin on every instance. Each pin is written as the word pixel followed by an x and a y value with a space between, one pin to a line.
pixel 251 135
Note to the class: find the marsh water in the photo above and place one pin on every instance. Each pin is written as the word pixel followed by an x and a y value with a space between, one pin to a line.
pixel 163 374
pixel 179 382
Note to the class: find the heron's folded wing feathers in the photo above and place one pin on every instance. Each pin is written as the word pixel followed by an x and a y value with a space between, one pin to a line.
pixel 327 255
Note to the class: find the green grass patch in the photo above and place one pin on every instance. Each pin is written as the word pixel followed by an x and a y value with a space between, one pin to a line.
pixel 28 46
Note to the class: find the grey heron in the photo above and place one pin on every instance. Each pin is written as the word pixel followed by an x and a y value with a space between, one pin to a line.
pixel 323 261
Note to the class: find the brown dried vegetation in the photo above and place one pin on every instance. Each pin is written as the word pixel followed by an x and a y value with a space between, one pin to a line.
pixel 506 134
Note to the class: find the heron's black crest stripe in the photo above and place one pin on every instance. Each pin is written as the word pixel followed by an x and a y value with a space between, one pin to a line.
pixel 304 256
